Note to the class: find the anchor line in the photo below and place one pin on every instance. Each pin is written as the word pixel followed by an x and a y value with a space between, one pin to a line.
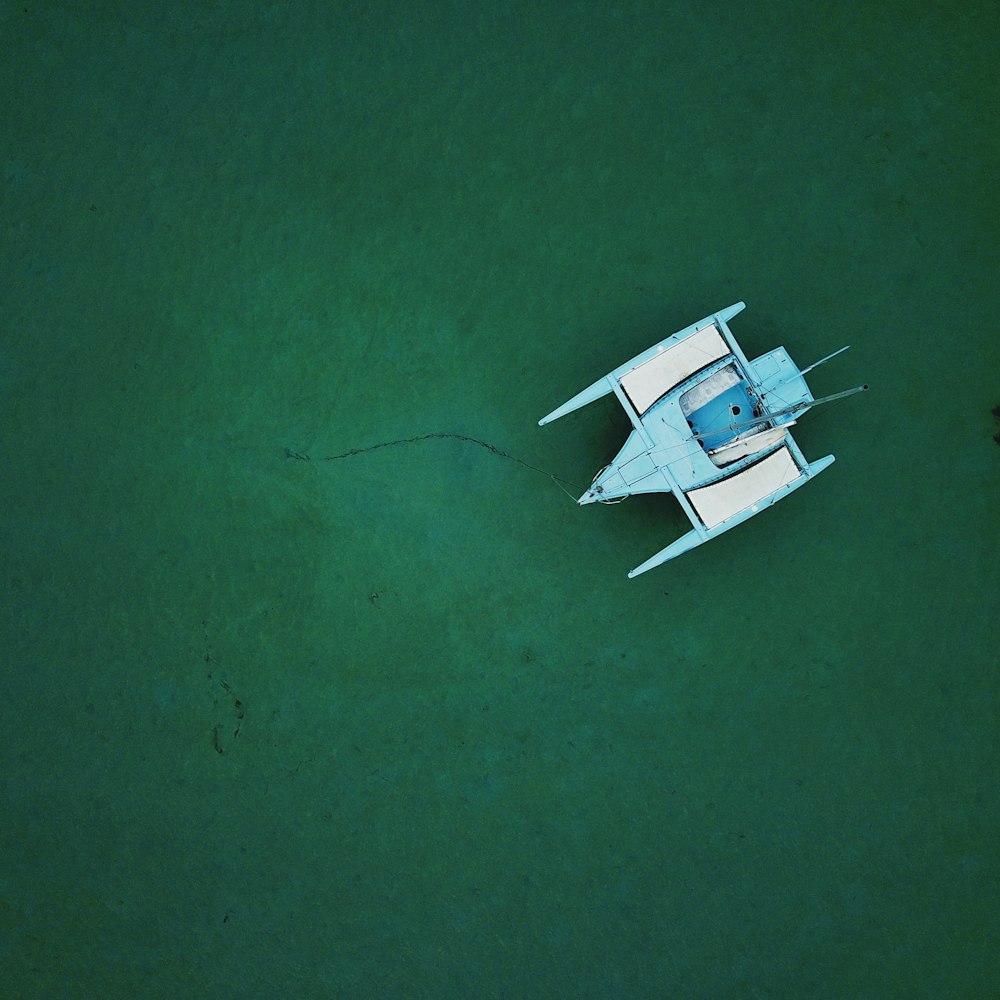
pixel 444 434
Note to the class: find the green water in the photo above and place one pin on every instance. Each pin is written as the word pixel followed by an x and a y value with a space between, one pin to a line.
pixel 398 725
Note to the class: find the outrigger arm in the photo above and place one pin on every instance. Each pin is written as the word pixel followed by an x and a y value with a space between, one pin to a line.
pixel 600 388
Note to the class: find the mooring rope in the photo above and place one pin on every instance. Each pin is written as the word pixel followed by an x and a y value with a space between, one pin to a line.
pixel 558 480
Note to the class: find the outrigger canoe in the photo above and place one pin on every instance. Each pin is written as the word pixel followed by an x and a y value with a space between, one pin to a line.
pixel 709 426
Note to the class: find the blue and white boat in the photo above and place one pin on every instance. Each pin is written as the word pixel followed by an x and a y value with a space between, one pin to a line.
pixel 709 426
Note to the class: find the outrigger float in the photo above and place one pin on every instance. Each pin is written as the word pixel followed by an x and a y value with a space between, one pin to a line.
pixel 709 426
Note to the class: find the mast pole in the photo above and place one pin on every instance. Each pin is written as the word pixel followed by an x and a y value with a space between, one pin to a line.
pixel 795 408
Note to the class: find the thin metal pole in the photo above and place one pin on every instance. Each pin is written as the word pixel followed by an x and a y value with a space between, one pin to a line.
pixel 806 404
pixel 816 364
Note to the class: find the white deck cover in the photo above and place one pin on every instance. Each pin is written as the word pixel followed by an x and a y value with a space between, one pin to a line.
pixel 647 382
pixel 718 501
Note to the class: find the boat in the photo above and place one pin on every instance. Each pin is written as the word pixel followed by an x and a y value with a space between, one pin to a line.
pixel 709 426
